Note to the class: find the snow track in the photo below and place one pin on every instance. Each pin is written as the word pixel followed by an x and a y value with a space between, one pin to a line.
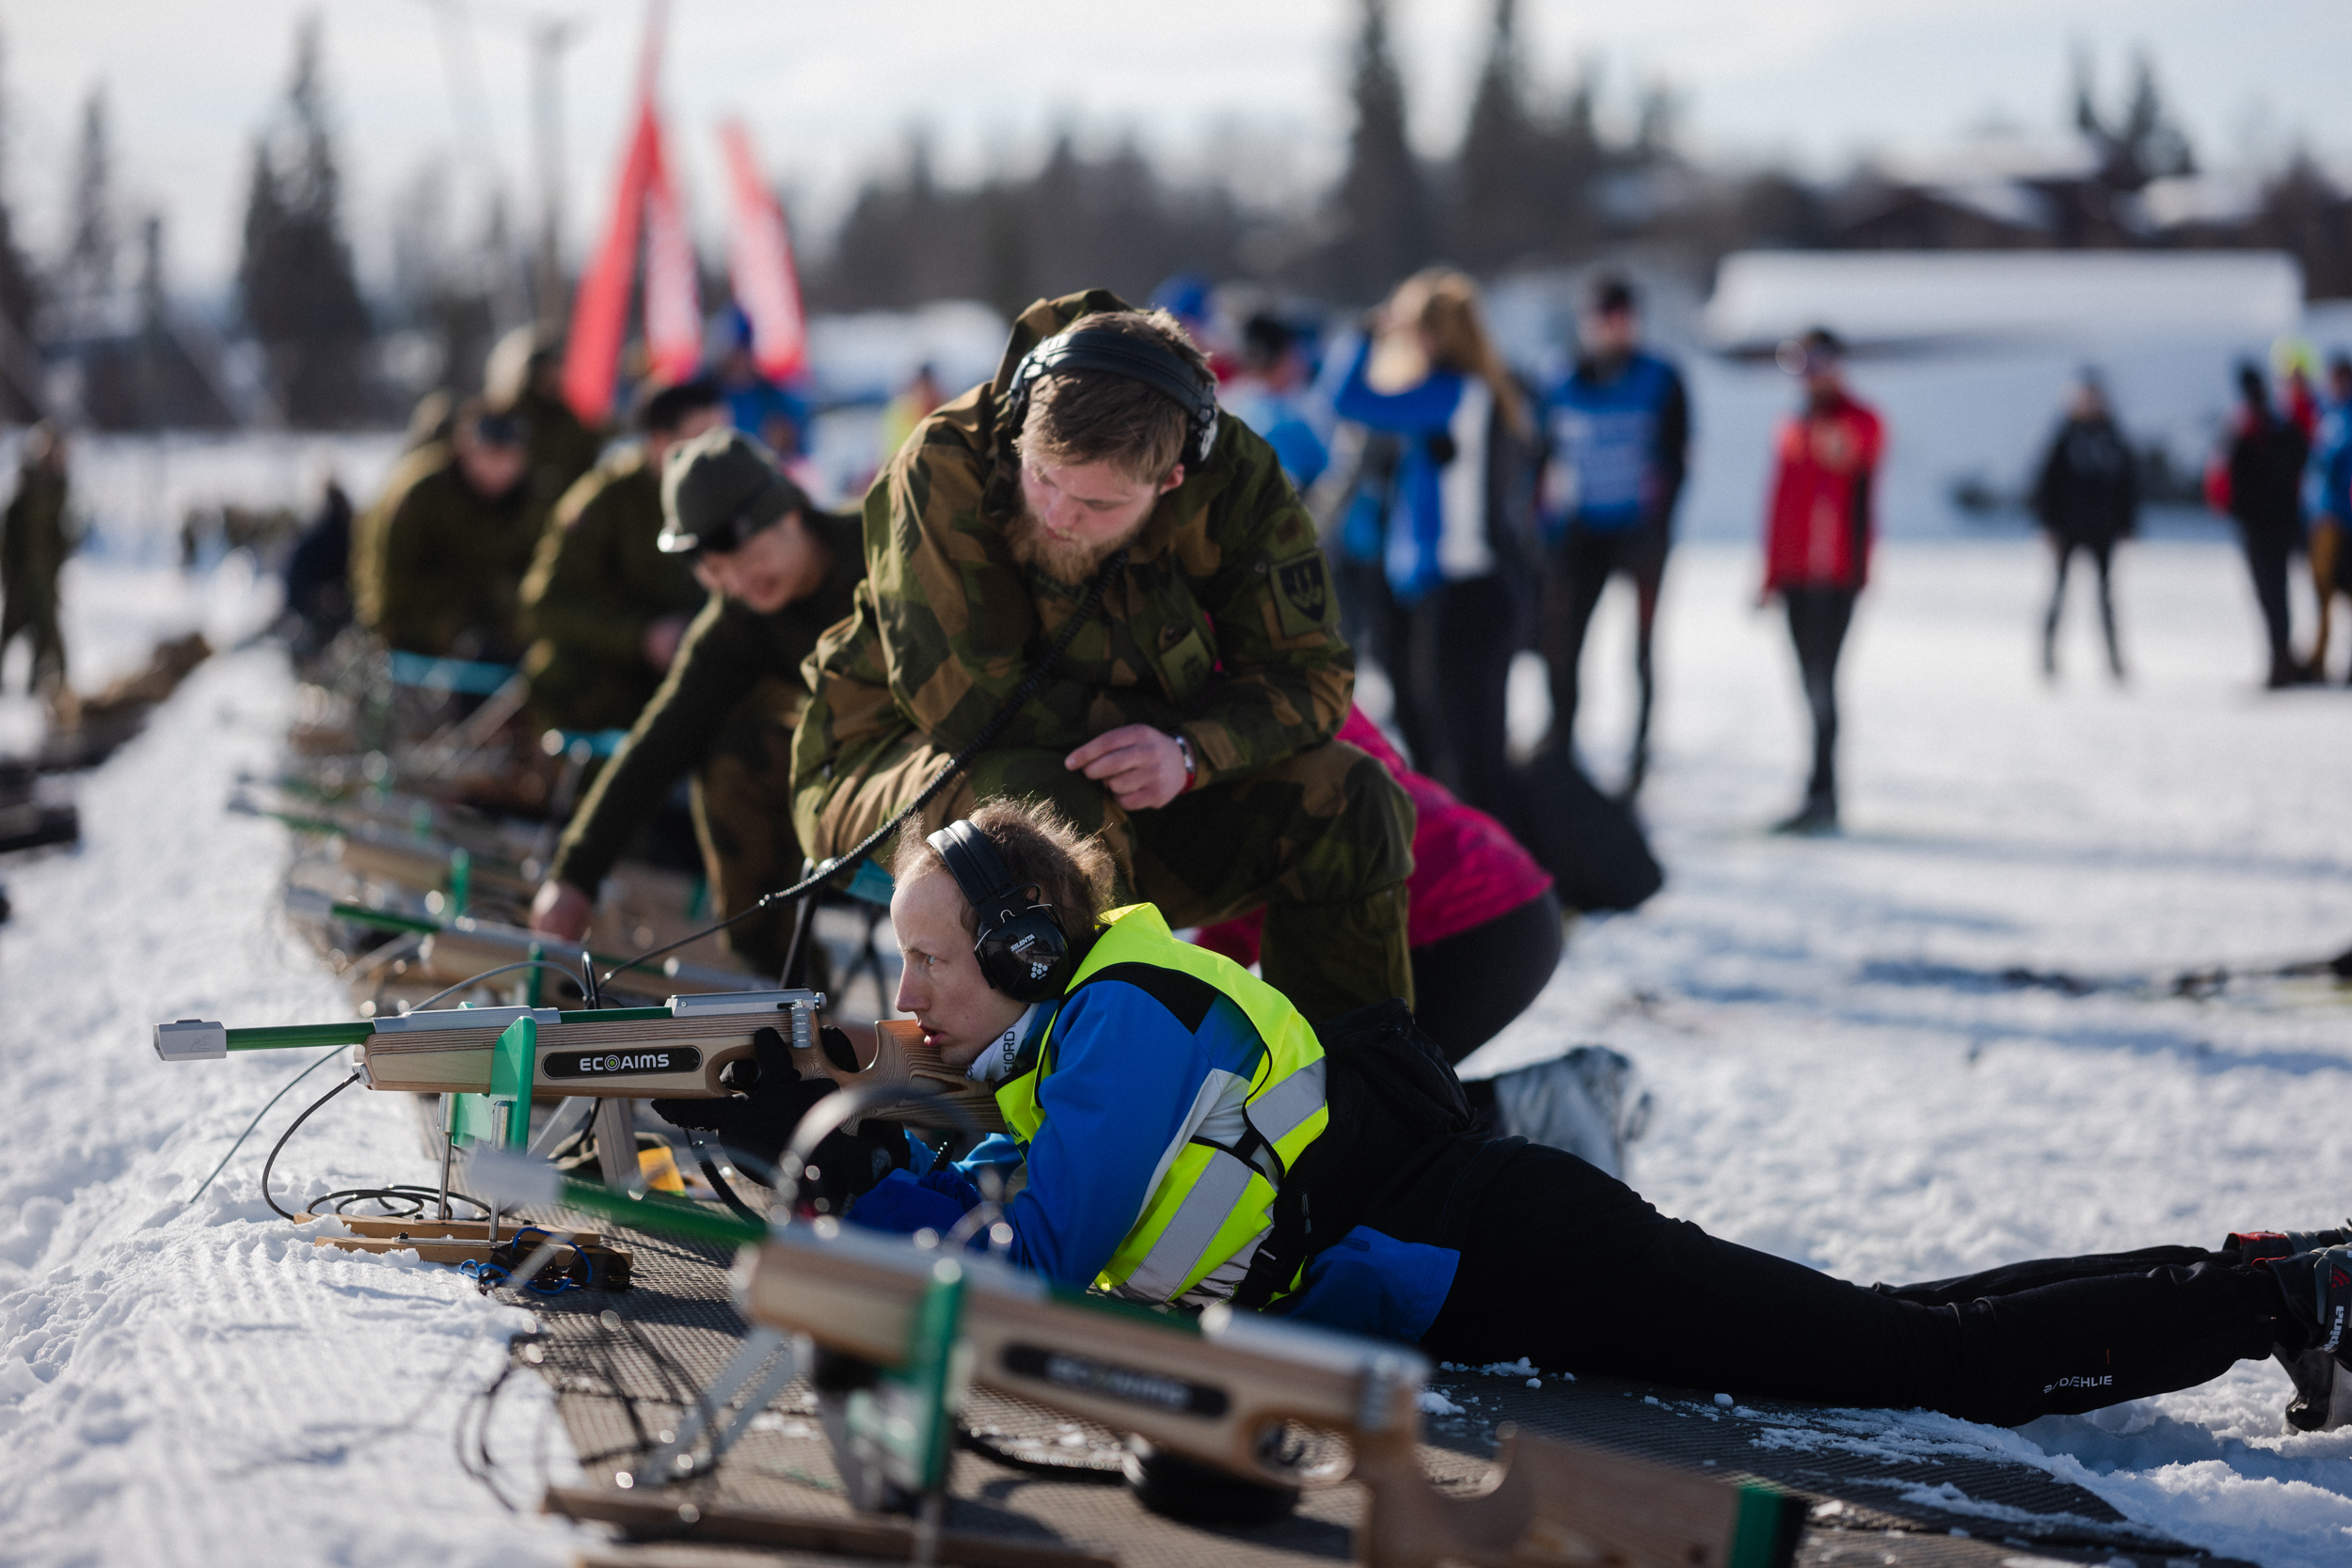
pixel 195 1384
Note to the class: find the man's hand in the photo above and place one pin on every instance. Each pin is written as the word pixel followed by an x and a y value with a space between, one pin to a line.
pixel 660 644
pixel 560 909
pixel 1140 765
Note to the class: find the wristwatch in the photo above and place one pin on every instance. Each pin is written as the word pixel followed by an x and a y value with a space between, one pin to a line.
pixel 1184 749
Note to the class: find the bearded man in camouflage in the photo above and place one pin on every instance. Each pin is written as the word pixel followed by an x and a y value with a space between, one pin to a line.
pixel 1189 723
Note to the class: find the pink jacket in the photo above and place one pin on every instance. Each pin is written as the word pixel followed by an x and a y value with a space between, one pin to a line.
pixel 1466 868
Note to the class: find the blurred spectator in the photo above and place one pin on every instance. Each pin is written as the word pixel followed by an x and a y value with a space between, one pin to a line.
pixel 2088 498
pixel 2291 359
pixel 606 607
pixel 915 403
pixel 524 382
pixel 318 574
pixel 2328 501
pixel 35 540
pixel 436 564
pixel 769 414
pixel 1620 430
pixel 2259 482
pixel 1816 543
pixel 1482 919
pixel 1191 298
pixel 1456 547
pixel 1270 396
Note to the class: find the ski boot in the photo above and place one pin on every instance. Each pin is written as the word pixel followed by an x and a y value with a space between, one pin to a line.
pixel 2317 1285
pixel 1585 1102
pixel 1817 818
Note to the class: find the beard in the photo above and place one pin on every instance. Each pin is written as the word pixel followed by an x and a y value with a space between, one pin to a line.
pixel 1070 561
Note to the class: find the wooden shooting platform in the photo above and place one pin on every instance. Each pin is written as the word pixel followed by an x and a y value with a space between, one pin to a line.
pixel 461 1242
pixel 1879 1497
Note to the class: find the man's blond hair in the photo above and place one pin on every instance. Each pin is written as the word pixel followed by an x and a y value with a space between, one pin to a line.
pixel 1078 417
pixel 1071 870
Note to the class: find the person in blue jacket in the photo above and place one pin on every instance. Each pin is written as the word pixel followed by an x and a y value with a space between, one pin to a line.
pixel 1179 1135
pixel 1619 429
pixel 1459 525
pixel 2328 502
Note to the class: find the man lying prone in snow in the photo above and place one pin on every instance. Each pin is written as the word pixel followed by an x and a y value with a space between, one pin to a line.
pixel 1179 1136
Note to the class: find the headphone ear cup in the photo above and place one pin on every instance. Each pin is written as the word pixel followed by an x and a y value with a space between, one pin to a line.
pixel 1024 957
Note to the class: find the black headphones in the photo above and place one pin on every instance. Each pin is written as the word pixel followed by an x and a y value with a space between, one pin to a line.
pixel 1137 358
pixel 1023 950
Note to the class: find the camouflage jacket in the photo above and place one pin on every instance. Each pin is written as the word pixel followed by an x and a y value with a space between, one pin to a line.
pixel 1223 625
pixel 435 568
pixel 34 538
pixel 597 583
pixel 726 653
pixel 563 449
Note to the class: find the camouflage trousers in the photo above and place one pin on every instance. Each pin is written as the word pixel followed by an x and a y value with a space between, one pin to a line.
pixel 742 803
pixel 35 617
pixel 1322 841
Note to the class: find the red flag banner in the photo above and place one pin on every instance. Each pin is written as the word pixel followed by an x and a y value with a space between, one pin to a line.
pixel 759 258
pixel 674 313
pixel 592 356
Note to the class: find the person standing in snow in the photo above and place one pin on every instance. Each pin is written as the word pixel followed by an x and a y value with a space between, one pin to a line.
pixel 1457 541
pixel 1271 396
pixel 2259 482
pixel 35 541
pixel 2088 498
pixel 1620 429
pixel 1816 543
pixel 2328 501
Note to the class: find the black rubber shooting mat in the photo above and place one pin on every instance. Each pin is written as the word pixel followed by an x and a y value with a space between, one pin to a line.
pixel 1880 1494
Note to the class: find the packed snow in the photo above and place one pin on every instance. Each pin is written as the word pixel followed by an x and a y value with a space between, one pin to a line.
pixel 194 1382
pixel 1840 1076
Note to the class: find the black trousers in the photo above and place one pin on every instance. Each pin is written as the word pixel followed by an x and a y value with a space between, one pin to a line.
pixel 1450 660
pixel 2268 552
pixel 1469 985
pixel 2102 553
pixel 1817 619
pixel 1570 1268
pixel 1577 570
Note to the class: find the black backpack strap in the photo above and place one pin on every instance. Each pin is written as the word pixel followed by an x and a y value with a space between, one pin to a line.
pixel 1285 1249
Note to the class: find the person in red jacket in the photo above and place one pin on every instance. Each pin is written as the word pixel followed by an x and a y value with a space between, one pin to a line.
pixel 1816 543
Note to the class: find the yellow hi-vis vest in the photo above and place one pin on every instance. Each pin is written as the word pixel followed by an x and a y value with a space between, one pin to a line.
pixel 1211 1206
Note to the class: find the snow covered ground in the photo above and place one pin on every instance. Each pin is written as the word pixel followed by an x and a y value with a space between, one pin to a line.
pixel 1839 1078
pixel 186 1383
pixel 191 1383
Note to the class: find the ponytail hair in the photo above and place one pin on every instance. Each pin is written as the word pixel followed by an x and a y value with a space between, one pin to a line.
pixel 1443 303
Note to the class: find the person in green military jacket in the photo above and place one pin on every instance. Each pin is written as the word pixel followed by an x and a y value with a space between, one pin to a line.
pixel 437 561
pixel 605 606
pixel 780 572
pixel 34 543
pixel 1189 723
pixel 524 379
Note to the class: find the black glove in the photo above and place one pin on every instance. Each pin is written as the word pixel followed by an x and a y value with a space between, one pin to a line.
pixel 754 1127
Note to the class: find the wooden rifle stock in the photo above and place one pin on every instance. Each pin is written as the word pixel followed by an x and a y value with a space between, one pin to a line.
pixel 677 1050
pixel 1215 1390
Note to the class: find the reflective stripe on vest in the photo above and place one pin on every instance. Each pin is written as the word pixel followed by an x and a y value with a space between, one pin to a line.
pixel 1210 1205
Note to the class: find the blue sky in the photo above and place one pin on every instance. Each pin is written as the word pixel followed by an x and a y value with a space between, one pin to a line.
pixel 1249 87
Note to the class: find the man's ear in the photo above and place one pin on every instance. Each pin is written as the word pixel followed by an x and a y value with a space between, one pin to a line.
pixel 1175 477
